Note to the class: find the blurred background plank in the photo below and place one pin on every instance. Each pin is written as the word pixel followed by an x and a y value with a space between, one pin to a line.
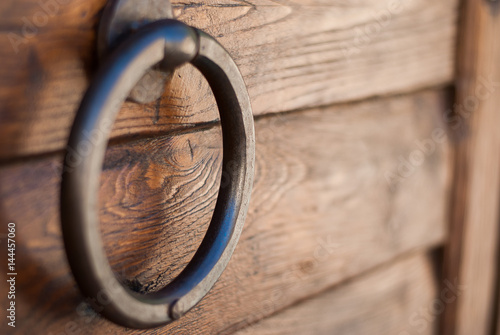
pixel 472 253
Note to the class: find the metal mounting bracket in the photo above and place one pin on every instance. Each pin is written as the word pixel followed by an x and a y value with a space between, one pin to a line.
pixel 120 19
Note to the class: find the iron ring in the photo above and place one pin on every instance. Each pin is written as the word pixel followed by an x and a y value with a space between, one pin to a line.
pixel 168 43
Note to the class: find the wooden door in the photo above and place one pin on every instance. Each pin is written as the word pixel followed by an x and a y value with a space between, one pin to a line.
pixel 374 209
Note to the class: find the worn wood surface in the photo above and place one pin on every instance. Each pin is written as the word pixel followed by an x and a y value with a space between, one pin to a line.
pixel 293 55
pixel 473 248
pixel 333 197
pixel 399 299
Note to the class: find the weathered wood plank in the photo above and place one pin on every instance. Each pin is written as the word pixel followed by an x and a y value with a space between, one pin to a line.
pixel 335 194
pixel 292 56
pixel 472 254
pixel 396 299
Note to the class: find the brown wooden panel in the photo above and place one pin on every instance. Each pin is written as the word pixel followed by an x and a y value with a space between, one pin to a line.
pixel 293 55
pixel 335 194
pixel 394 300
pixel 472 254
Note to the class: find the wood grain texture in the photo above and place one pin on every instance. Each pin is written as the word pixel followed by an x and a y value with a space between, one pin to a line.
pixel 473 248
pixel 322 210
pixel 394 300
pixel 293 55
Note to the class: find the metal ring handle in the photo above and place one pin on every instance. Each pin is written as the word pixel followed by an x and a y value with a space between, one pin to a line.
pixel 170 43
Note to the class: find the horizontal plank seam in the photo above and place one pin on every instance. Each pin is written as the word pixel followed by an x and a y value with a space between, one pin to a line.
pixel 199 127
pixel 120 140
pixel 346 281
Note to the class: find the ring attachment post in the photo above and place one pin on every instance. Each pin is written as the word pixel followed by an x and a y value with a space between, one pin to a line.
pixel 122 18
